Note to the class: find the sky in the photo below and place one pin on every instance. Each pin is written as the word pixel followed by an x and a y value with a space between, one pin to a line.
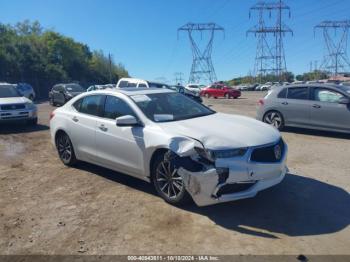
pixel 142 34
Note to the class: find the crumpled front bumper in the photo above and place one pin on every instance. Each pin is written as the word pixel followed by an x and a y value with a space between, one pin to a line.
pixel 204 186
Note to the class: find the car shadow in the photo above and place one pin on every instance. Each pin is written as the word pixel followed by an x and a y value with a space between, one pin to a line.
pixel 313 132
pixel 18 128
pixel 299 206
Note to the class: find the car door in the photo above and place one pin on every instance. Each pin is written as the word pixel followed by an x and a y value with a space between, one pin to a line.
pixel 119 147
pixel 296 107
pixel 327 112
pixel 82 126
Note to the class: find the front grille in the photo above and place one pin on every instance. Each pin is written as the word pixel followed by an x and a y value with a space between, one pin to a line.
pixel 234 188
pixel 268 154
pixel 13 107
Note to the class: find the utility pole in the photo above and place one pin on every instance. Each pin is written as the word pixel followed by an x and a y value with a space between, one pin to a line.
pixel 270 57
pixel 336 59
pixel 202 66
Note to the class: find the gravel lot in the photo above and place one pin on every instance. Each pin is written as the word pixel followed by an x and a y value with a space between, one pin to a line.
pixel 47 208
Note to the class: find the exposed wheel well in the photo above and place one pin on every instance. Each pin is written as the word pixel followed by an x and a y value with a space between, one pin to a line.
pixel 159 151
pixel 58 133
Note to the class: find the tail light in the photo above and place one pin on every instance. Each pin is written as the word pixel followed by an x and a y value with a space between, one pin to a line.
pixel 261 102
pixel 52 114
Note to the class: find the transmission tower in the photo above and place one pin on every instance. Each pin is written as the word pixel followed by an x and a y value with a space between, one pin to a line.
pixel 178 78
pixel 202 67
pixel 336 59
pixel 270 57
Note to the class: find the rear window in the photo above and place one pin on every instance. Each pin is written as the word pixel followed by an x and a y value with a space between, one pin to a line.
pixel 301 93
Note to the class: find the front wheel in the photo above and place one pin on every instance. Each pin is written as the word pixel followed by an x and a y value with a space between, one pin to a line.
pixel 167 182
pixel 274 119
pixel 65 149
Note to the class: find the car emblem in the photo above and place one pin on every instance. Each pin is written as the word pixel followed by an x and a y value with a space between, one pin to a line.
pixel 278 152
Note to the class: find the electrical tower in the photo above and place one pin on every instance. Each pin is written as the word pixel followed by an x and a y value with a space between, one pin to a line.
pixel 270 57
pixel 336 59
pixel 178 78
pixel 202 69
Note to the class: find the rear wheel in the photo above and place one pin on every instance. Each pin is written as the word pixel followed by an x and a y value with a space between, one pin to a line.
pixel 65 149
pixel 167 182
pixel 275 119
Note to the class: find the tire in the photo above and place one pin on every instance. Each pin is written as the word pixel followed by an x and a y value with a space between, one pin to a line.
pixel 172 191
pixel 275 119
pixel 33 122
pixel 65 149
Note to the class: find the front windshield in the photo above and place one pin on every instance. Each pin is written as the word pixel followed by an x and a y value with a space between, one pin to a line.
pixel 74 88
pixel 165 107
pixel 345 89
pixel 8 91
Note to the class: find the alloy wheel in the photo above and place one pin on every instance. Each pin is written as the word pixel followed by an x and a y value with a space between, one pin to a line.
pixel 274 119
pixel 64 148
pixel 169 182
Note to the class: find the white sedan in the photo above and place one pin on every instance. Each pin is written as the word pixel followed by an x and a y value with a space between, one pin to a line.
pixel 182 147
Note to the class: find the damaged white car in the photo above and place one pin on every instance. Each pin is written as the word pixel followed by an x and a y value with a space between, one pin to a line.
pixel 184 148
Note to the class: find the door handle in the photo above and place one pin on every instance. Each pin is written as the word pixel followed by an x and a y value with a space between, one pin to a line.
pixel 284 103
pixel 103 128
pixel 316 106
pixel 75 119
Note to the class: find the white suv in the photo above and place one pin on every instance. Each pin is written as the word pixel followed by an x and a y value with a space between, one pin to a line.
pixel 14 106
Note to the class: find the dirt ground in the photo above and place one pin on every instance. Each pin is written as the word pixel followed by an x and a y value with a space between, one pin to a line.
pixel 47 208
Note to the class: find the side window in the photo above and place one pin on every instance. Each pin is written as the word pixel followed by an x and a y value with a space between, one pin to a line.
pixel 283 93
pixel 91 105
pixel 123 84
pixel 142 85
pixel 116 107
pixel 77 104
pixel 300 93
pixel 327 95
pixel 130 84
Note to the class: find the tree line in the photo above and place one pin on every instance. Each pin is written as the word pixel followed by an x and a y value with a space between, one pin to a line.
pixel 31 54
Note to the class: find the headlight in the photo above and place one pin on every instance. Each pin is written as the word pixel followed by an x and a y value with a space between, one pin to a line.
pixel 30 106
pixel 212 155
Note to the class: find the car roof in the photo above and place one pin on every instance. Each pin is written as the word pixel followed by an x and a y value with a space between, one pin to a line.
pixel 130 91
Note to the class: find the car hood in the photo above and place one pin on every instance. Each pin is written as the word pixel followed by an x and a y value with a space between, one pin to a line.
pixel 223 131
pixel 13 100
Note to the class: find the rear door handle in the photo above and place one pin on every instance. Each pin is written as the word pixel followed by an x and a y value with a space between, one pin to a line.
pixel 75 119
pixel 316 106
pixel 284 103
pixel 103 128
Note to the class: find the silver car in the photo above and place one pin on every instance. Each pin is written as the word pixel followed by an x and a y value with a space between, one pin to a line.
pixel 316 106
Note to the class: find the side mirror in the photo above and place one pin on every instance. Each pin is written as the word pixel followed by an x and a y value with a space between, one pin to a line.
pixel 344 101
pixel 127 120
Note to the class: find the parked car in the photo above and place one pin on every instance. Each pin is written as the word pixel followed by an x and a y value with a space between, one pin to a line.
pixel 14 106
pixel 180 146
pixel 220 90
pixel 194 89
pixel 182 90
pixel 26 90
pixel 315 106
pixel 61 93
pixel 138 83
pixel 99 87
